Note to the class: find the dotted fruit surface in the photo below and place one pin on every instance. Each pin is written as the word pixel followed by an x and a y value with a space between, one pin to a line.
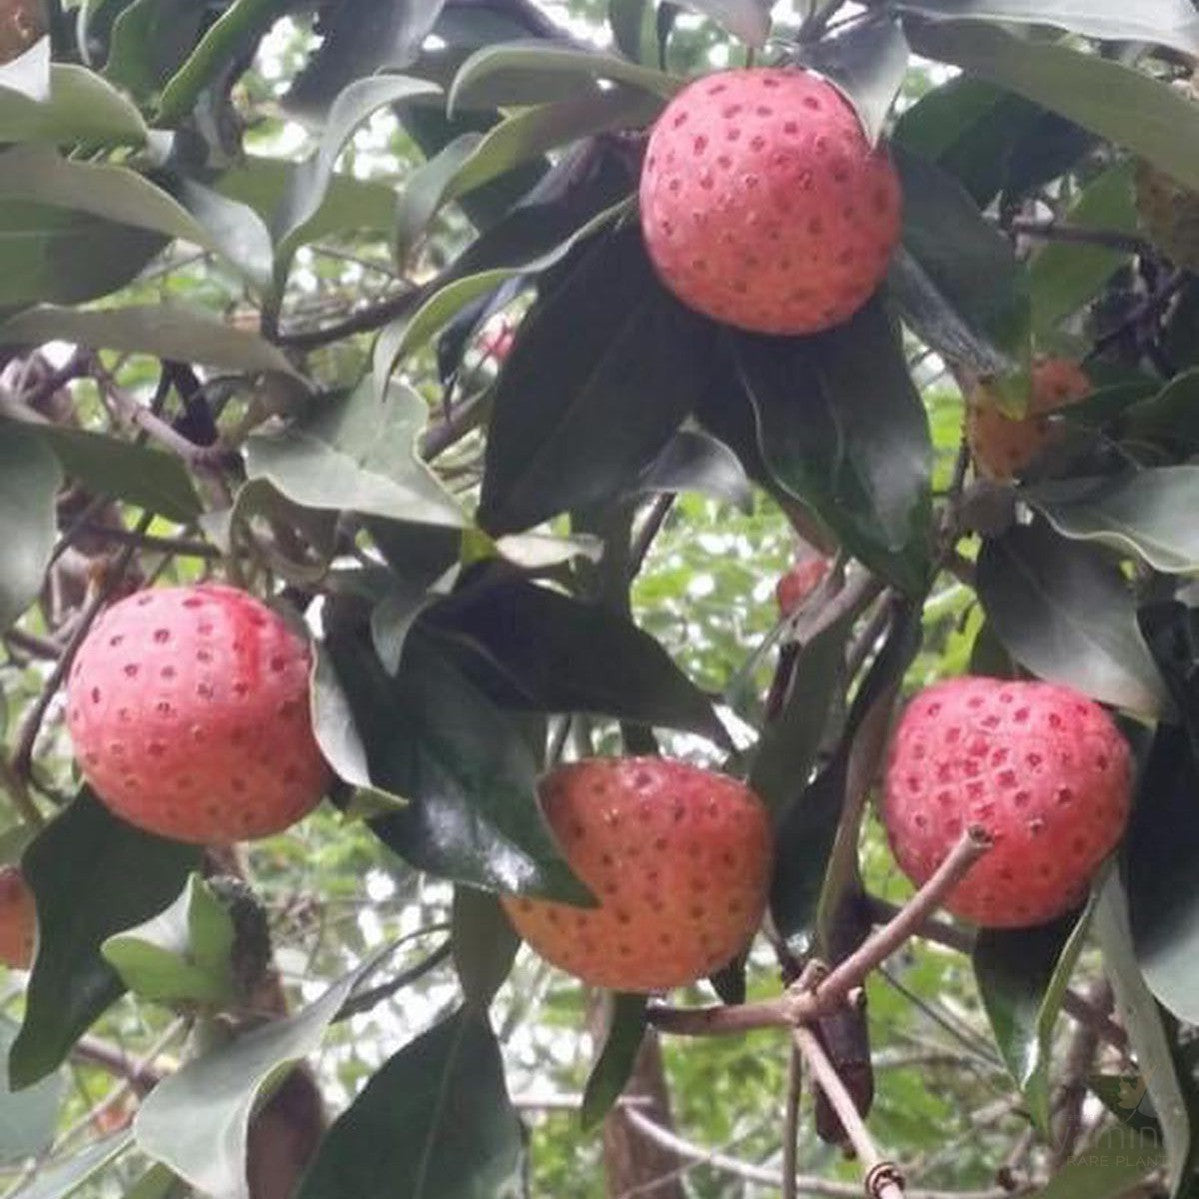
pixel 798 583
pixel 188 709
pixel 18 919
pixel 1042 768
pixel 1004 447
pixel 679 859
pixel 762 203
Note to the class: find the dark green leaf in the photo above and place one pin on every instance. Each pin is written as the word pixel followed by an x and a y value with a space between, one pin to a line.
pixel 1064 276
pixel 81 107
pixel 28 1118
pixel 498 66
pixel 614 1066
pixel 356 453
pixel 182 334
pixel 150 478
pixel 29 481
pixel 239 232
pixel 693 461
pixel 842 428
pixel 868 63
pixel 58 256
pixel 358 38
pixel 538 648
pixel 1168 417
pixel 955 278
pixel 434 1122
pixel 1172 23
pixel 427 188
pixel 1123 1095
pixel 1146 1032
pixel 1022 975
pixel 92 876
pixel 196 1120
pixel 469 776
pixel 786 751
pixel 1115 101
pixel 1163 892
pixel 485 945
pixel 1065 612
pixel 625 19
pixel 1149 514
pixel 148 40
pixel 38 174
pixel 606 367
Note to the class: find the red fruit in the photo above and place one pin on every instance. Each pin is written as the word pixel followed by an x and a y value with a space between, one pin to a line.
pixel 1040 767
pixel 188 709
pixel 679 859
pixel 798 583
pixel 1003 446
pixel 497 339
pixel 763 204
pixel 18 919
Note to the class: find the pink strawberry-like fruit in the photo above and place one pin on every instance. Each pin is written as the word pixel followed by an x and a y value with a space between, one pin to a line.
pixel 188 709
pixel 798 583
pixel 678 858
pixel 1040 767
pixel 763 205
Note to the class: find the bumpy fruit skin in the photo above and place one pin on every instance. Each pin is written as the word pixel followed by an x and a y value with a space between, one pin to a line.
pixel 1040 767
pixel 1004 447
pixel 762 203
pixel 679 859
pixel 18 919
pixel 798 583
pixel 188 709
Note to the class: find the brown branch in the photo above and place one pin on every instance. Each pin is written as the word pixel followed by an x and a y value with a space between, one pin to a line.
pixel 365 320
pixel 1108 239
pixel 804 1002
pixel 158 430
pixel 791 1124
pixel 179 546
pixel 883 1179
pixel 142 1076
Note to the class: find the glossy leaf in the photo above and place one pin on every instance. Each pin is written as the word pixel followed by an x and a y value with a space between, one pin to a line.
pixel 182 954
pixel 359 38
pixel 308 185
pixel 955 278
pixel 434 1122
pixel 1022 975
pixel 142 475
pixel 1163 898
pixel 463 286
pixel 1115 101
pixel 485 945
pixel 1149 514
pixel 747 20
pixel 606 367
pixel 196 1121
pixel 60 1178
pixel 92 876
pixel 540 649
pixel 1065 612
pixel 1172 23
pixel 29 481
pixel 522 60
pixel 1063 276
pixel 358 454
pixel 37 174
pixel 1146 1030
pixel 236 228
pixel 868 63
pixel 28 1118
pixel 470 778
pixel 428 188
pixel 614 1065
pixel 786 751
pixel 693 461
pixel 81 107
pixel 842 428
pixel 54 255
pixel 182 334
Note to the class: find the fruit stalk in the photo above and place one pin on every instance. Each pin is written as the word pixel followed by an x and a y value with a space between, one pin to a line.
pixel 805 1001
pixel 883 1180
